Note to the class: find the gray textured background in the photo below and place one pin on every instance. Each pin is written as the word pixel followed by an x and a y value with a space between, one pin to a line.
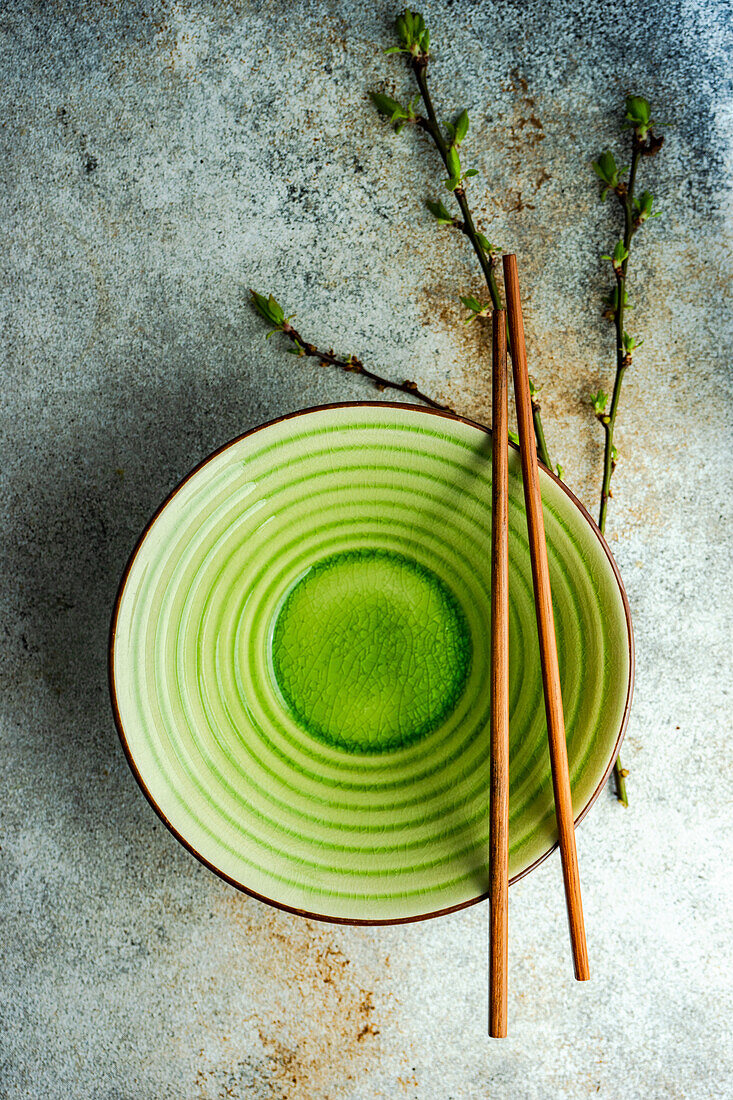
pixel 159 159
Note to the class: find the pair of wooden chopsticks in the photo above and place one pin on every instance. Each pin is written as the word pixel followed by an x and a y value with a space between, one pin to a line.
pixel 499 785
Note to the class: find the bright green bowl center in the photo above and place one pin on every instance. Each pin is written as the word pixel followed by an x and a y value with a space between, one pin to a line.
pixel 370 650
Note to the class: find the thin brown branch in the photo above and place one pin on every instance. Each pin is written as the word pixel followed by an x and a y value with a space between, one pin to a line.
pixel 431 126
pixel 352 365
pixel 625 193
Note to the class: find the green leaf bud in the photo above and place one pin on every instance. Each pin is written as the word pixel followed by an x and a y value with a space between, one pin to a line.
pixel 630 343
pixel 439 212
pixel 644 208
pixel 453 162
pixel 269 309
pixel 608 172
pixel 461 127
pixel 392 109
pixel 638 115
pixel 619 255
pixel 412 33
pixel 488 247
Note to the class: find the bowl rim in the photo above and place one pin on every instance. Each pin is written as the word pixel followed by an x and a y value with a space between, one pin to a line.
pixel 420 409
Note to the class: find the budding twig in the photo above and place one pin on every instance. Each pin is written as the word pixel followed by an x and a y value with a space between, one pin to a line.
pixel 274 314
pixel 414 43
pixel 635 212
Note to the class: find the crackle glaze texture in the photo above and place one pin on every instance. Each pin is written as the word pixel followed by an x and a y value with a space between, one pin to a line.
pixel 161 158
pixel 371 650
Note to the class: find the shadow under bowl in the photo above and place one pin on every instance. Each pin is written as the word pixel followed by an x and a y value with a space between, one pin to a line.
pixel 299 663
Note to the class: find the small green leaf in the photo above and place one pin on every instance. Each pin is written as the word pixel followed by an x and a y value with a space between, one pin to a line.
pixel 488 247
pixel 470 172
pixel 644 202
pixel 260 303
pixel 638 108
pixel 453 162
pixel 599 401
pixel 385 104
pixel 439 212
pixel 278 315
pixel 605 168
pixel 475 308
pixel 559 470
pixel 608 172
pixel 394 110
pixel 453 184
pixel 461 127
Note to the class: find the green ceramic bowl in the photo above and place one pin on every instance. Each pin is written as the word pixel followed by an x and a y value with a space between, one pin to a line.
pixel 299 662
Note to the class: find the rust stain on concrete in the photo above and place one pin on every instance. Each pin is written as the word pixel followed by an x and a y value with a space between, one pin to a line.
pixel 319 1017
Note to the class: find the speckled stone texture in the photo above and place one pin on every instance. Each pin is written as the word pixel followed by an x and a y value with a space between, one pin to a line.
pixel 159 159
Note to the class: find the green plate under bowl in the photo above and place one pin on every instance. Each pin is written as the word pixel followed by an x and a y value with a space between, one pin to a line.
pixel 299 662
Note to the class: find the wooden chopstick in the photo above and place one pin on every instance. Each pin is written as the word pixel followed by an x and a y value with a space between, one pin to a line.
pixel 545 625
pixel 499 783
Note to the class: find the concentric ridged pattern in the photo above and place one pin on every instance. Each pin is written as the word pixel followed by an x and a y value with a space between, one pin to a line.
pixel 379 836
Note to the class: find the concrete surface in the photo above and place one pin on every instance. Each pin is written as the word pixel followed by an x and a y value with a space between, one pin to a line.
pixel 160 158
